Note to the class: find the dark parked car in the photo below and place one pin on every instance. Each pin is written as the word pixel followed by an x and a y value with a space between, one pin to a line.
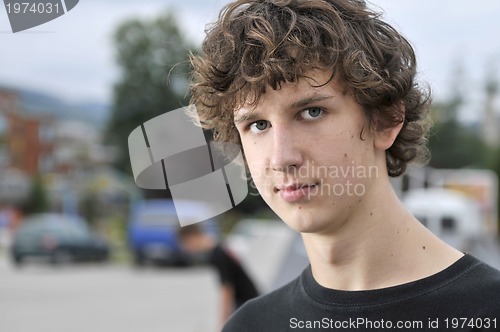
pixel 59 238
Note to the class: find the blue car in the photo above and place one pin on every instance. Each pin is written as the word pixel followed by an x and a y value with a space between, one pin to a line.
pixel 153 228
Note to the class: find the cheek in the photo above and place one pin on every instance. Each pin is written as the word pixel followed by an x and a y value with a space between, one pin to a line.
pixel 256 164
pixel 345 162
pixel 252 156
pixel 259 178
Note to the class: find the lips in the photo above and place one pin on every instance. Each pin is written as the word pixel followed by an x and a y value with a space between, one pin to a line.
pixel 295 192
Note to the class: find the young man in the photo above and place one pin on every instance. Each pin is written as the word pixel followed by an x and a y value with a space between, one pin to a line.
pixel 322 96
pixel 236 287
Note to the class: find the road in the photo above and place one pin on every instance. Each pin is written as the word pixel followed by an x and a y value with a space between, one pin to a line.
pixel 106 298
pixel 117 298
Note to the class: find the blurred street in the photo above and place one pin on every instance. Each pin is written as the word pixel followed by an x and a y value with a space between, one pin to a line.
pixel 118 298
pixel 106 298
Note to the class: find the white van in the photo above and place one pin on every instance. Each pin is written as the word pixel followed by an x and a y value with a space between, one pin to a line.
pixel 451 215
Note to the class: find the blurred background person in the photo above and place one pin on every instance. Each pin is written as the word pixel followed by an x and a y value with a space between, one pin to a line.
pixel 236 286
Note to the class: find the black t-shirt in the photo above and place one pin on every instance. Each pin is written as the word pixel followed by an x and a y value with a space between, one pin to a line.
pixel 463 297
pixel 232 273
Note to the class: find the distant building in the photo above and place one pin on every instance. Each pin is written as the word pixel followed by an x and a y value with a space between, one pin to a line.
pixel 30 143
pixel 28 139
pixel 77 146
pixel 8 101
pixel 37 139
pixel 14 181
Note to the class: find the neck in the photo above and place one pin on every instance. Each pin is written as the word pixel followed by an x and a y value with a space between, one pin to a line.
pixel 381 246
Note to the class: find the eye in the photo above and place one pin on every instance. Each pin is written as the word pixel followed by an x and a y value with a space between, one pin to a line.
pixel 311 113
pixel 258 126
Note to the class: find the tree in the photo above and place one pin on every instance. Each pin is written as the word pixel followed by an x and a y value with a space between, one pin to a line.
pixel 36 201
pixel 152 55
pixel 452 143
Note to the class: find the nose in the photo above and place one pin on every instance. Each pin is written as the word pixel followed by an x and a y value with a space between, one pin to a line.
pixel 285 152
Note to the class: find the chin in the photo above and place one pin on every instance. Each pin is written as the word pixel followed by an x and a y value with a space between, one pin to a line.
pixel 300 217
pixel 304 222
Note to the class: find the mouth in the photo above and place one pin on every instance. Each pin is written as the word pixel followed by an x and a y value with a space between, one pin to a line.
pixel 296 192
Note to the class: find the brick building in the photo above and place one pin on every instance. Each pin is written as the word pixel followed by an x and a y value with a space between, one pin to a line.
pixel 28 139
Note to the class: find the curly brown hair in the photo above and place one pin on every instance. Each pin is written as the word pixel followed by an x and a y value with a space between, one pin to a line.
pixel 258 44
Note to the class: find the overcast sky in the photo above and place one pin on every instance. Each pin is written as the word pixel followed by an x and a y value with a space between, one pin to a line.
pixel 73 57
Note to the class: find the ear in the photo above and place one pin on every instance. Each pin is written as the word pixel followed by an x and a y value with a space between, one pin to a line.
pixel 384 138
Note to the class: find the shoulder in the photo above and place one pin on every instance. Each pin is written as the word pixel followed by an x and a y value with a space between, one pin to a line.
pixel 480 275
pixel 219 254
pixel 477 289
pixel 218 250
pixel 483 279
pixel 261 313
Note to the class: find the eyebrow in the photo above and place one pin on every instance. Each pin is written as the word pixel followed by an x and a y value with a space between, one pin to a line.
pixel 246 116
pixel 308 101
pixel 250 116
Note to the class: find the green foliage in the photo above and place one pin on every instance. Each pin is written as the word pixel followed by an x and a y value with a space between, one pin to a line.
pixel 453 145
pixel 37 198
pixel 152 55
pixel 494 164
